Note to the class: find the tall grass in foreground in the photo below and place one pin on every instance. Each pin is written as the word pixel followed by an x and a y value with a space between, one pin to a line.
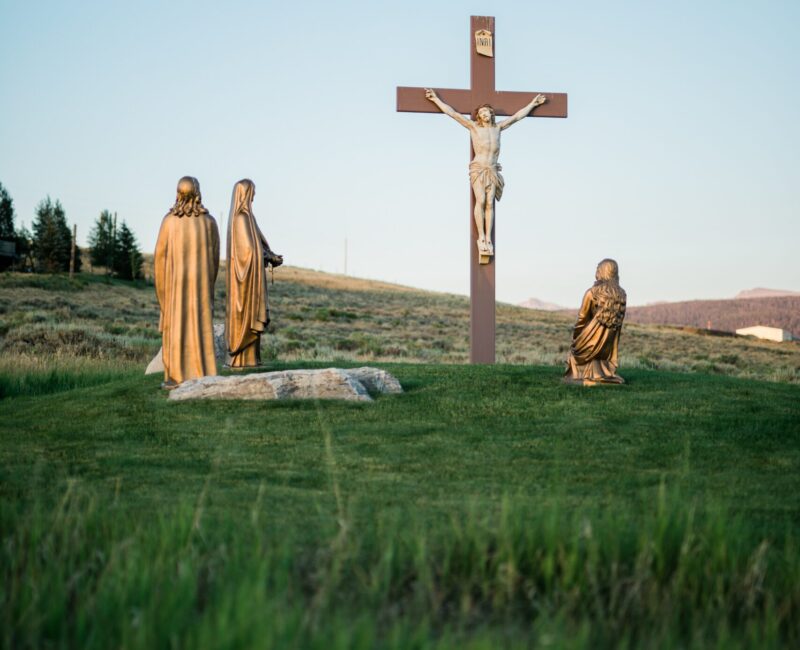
pixel 53 373
pixel 86 573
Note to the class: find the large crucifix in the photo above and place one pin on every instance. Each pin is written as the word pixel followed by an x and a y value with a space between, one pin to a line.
pixel 483 42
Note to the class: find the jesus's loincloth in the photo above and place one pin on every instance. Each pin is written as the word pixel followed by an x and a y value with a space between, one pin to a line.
pixel 487 176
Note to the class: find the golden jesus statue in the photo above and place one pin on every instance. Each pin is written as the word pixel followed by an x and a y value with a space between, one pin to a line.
pixel 186 263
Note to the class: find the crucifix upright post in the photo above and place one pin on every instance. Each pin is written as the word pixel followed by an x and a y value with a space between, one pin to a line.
pixel 483 43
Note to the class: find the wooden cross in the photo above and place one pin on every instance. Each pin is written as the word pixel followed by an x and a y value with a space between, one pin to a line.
pixel 481 91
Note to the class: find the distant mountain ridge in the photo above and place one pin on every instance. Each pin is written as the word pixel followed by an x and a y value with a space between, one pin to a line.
pixel 760 292
pixel 782 311
pixel 535 303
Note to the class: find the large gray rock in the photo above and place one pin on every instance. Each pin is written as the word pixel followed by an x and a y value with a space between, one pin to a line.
pixel 330 383
pixel 220 352
pixel 375 380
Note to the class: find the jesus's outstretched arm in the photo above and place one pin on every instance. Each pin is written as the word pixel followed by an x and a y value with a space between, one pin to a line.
pixel 523 112
pixel 446 109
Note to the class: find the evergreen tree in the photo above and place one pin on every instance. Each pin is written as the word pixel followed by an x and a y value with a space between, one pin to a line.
pixel 127 256
pixel 102 241
pixel 24 249
pixel 7 232
pixel 52 239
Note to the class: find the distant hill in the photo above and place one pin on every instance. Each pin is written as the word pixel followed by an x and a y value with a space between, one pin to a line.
pixel 760 292
pixel 535 303
pixel 727 315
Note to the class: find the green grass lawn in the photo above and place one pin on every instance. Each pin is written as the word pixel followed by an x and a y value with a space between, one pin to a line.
pixel 486 507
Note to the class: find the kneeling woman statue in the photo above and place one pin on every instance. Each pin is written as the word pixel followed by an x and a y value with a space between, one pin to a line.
pixel 593 356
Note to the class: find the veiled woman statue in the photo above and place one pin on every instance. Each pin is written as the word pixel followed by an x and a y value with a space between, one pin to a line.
pixel 247 314
pixel 186 262
pixel 593 356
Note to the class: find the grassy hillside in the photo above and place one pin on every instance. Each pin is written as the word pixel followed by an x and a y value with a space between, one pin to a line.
pixel 48 322
pixel 486 507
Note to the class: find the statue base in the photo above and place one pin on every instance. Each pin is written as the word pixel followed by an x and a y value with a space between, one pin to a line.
pixel 485 251
pixel 616 380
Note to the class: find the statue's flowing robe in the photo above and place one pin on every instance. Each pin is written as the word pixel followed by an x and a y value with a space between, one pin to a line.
pixel 247 313
pixel 186 265
pixel 594 354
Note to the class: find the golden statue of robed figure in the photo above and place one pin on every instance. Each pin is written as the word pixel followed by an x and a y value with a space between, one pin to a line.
pixel 594 354
pixel 186 264
pixel 247 313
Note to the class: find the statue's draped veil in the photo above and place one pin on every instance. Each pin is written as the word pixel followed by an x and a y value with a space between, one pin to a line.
pixel 247 313
pixel 242 199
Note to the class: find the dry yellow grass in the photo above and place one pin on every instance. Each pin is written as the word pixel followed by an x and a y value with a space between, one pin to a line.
pixel 322 316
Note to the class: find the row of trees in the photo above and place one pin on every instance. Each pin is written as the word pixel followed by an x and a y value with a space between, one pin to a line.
pixel 48 247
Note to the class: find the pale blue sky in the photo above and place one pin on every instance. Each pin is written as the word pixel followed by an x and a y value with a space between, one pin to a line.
pixel 680 157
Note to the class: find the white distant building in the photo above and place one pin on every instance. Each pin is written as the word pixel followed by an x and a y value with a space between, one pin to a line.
pixel 764 332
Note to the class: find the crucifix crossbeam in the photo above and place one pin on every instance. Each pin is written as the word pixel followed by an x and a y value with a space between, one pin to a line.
pixel 482 91
pixel 412 100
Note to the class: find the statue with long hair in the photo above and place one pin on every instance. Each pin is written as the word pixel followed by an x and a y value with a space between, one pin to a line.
pixel 247 313
pixel 594 353
pixel 186 263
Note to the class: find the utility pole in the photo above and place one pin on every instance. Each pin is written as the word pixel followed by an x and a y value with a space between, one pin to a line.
pixel 345 255
pixel 110 269
pixel 72 254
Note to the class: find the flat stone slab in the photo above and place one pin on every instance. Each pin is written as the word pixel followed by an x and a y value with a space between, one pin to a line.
pixel 330 383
